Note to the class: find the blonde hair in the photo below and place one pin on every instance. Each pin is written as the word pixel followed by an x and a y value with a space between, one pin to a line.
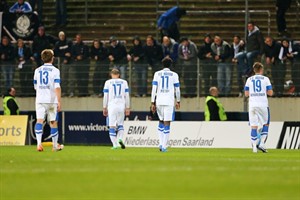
pixel 257 66
pixel 47 55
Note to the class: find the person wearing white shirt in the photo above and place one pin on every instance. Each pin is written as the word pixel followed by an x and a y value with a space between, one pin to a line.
pixel 48 98
pixel 165 86
pixel 258 88
pixel 116 103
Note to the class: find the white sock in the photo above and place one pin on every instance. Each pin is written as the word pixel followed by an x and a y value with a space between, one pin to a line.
pixel 165 140
pixel 160 131
pixel 113 140
pixel 39 139
pixel 54 133
pixel 263 138
pixel 38 133
pixel 120 132
pixel 166 136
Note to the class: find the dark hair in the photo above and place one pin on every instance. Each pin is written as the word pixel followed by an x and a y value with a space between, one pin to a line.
pixel 184 39
pixel 237 36
pixel 167 62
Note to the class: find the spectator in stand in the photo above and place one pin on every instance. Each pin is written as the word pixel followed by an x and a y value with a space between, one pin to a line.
pixel 167 22
pixel 295 71
pixel 3 6
pixel 154 53
pixel 237 47
pixel 209 70
pixel 21 6
pixel 62 52
pixel 61 13
pixel 99 54
pixel 7 61
pixel 272 49
pixel 187 54
pixel 254 48
pixel 170 49
pixel 222 56
pixel 39 8
pixel 40 42
pixel 117 55
pixel 281 7
pixel 136 55
pixel 285 55
pixel 25 65
pixel 214 110
pixel 80 55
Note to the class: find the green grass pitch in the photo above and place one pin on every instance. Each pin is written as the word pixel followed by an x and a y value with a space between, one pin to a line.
pixel 99 173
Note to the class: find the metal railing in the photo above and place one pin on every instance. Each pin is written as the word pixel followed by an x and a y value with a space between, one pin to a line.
pixel 88 80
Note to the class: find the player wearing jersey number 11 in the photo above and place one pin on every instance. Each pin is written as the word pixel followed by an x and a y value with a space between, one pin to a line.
pixel 165 86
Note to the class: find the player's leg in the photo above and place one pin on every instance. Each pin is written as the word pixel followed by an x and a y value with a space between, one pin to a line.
pixel 168 117
pixel 160 128
pixel 112 122
pixel 265 120
pixel 166 135
pixel 120 128
pixel 40 115
pixel 253 119
pixel 53 118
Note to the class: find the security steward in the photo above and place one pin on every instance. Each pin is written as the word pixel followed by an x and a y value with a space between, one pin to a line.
pixel 10 104
pixel 214 110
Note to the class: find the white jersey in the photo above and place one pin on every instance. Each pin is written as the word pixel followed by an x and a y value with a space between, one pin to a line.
pixel 116 94
pixel 258 85
pixel 46 79
pixel 165 85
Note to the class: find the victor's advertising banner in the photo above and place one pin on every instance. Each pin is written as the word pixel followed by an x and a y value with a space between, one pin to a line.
pixel 13 130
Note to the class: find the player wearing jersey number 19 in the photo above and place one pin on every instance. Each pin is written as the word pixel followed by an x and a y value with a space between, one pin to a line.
pixel 48 98
pixel 116 103
pixel 258 88
pixel 165 86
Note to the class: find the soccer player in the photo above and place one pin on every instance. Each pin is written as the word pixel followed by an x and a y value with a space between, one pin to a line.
pixel 48 98
pixel 165 86
pixel 257 88
pixel 116 103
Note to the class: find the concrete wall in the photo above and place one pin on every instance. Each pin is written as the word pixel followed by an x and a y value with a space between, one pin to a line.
pixel 282 109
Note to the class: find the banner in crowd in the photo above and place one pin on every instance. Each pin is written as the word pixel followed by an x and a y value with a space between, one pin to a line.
pixel 13 130
pixel 284 135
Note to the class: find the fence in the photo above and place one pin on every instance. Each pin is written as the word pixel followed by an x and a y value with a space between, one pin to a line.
pixel 88 79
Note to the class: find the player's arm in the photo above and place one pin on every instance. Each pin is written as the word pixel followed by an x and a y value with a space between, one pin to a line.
pixel 58 95
pixel 105 99
pixel 35 80
pixel 58 91
pixel 177 92
pixel 269 90
pixel 127 100
pixel 246 89
pixel 153 93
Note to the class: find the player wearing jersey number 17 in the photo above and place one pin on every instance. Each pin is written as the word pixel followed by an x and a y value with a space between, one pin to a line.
pixel 258 88
pixel 48 98
pixel 116 103
pixel 165 86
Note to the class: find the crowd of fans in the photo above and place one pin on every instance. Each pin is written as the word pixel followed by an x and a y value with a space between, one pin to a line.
pixel 216 57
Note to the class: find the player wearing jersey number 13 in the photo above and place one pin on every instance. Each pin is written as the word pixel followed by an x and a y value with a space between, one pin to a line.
pixel 257 88
pixel 48 98
pixel 165 86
